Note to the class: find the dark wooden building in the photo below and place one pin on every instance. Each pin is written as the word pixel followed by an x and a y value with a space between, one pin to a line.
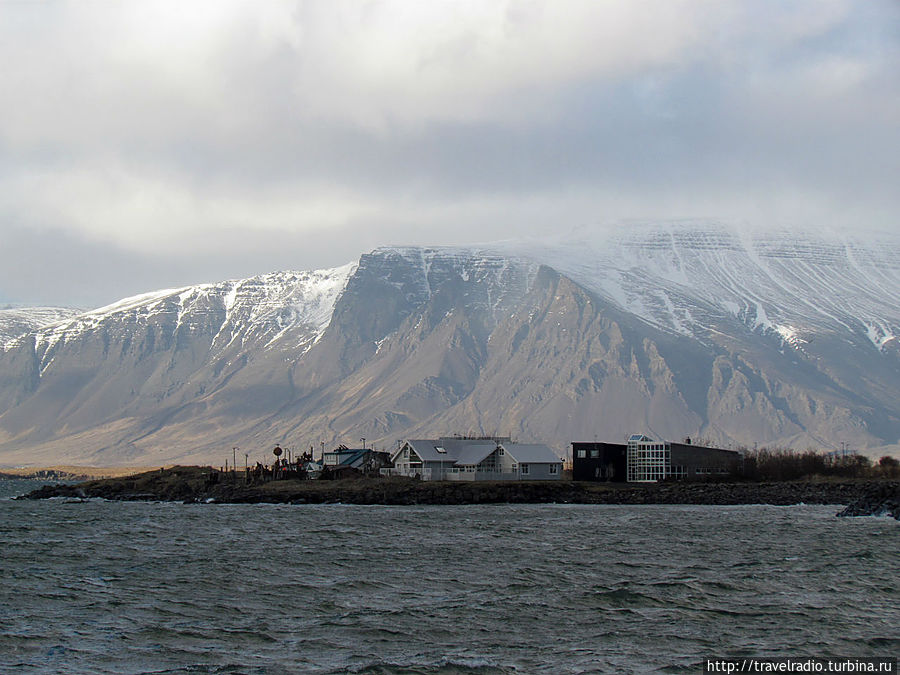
pixel 696 462
pixel 599 461
pixel 643 460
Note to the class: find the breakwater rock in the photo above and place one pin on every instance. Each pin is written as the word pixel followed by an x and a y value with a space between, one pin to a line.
pixel 203 484
pixel 878 500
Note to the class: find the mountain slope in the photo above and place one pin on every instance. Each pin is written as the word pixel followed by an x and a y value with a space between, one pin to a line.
pixel 423 341
pixel 689 276
pixel 108 377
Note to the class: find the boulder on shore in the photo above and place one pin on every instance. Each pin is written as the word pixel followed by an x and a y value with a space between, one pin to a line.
pixel 878 500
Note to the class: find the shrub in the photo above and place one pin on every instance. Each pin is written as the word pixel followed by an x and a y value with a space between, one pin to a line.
pixel 780 464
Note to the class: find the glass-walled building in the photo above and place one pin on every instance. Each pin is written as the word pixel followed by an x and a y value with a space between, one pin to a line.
pixel 648 460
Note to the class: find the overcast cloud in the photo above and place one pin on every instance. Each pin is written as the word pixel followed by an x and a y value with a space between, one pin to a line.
pixel 148 144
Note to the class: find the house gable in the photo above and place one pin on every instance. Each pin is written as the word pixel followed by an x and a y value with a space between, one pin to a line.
pixel 451 458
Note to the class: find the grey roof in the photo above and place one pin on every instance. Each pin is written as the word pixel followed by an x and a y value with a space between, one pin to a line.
pixel 425 448
pixel 531 453
pixel 473 453
pixel 469 451
pixel 457 450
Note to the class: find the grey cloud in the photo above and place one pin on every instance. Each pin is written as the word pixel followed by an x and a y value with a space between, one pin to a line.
pixel 54 267
pixel 777 110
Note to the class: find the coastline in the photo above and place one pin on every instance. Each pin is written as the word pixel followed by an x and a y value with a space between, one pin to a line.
pixel 69 472
pixel 197 484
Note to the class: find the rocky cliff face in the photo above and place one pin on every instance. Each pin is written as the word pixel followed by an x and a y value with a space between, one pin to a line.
pixel 420 342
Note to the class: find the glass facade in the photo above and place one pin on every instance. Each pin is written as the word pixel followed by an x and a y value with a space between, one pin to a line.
pixel 648 460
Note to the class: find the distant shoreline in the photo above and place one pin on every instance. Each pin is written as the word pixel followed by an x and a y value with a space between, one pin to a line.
pixel 199 484
pixel 70 472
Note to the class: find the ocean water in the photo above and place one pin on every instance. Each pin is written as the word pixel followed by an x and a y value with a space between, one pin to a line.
pixel 101 587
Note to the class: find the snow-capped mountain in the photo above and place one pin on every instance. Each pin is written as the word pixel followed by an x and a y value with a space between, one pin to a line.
pixel 685 329
pixel 16 321
pixel 266 308
pixel 689 276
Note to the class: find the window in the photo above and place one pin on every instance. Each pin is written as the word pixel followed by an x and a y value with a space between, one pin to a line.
pixel 500 451
pixel 647 461
pixel 440 449
pixel 581 454
pixel 554 469
pixel 595 453
pixel 523 468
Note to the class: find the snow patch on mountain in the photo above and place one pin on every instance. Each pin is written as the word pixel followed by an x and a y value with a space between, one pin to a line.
pixel 880 334
pixel 685 276
pixel 791 336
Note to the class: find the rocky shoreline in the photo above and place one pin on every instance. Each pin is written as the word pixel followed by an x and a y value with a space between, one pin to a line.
pixel 202 484
pixel 880 499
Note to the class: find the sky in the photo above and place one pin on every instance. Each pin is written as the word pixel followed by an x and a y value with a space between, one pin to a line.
pixel 150 144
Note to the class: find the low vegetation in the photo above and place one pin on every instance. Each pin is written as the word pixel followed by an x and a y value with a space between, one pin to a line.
pixel 783 464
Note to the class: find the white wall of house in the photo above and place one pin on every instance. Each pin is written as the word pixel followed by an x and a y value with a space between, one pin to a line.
pixel 540 471
pixel 508 464
pixel 407 462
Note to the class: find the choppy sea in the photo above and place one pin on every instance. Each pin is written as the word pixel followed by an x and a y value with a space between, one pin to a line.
pixel 104 587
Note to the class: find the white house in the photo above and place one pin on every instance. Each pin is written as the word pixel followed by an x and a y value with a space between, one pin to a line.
pixel 454 458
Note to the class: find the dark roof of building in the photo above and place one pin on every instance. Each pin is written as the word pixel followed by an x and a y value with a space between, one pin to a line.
pixel 347 456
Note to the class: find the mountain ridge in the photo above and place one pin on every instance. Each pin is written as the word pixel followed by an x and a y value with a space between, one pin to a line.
pixel 482 339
